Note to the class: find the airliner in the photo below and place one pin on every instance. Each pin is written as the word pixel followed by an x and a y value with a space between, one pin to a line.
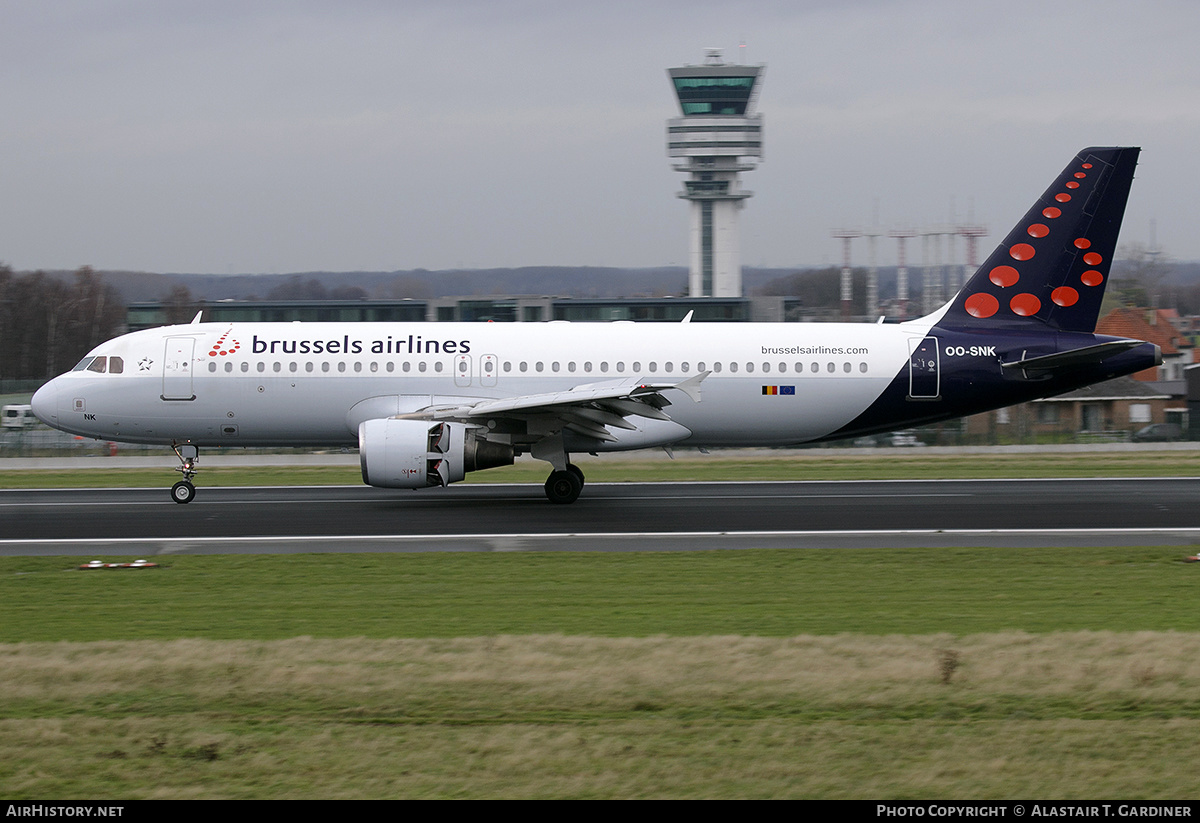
pixel 425 403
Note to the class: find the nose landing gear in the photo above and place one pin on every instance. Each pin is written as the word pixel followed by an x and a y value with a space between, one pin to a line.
pixel 184 491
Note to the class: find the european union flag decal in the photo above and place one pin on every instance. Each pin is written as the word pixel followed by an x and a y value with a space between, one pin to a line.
pixel 779 390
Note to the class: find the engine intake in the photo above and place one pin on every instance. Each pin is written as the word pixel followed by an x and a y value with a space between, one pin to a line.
pixel 414 454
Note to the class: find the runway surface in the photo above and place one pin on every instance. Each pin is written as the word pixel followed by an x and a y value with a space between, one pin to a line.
pixel 607 517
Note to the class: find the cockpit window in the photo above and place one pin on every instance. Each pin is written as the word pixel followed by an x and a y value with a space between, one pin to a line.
pixel 100 365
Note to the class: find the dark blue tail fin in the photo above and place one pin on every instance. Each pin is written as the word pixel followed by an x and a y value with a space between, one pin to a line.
pixel 1053 266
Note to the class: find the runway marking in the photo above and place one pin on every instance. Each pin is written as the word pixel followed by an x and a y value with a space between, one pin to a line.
pixel 76 505
pixel 1172 530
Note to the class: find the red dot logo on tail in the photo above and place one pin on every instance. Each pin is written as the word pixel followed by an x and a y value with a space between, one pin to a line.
pixel 982 305
pixel 1004 276
pixel 1025 304
pixel 1021 251
pixel 1064 296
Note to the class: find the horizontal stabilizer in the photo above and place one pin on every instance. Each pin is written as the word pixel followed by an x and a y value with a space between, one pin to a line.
pixel 1076 357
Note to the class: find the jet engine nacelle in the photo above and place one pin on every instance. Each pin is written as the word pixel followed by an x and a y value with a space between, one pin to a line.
pixel 413 454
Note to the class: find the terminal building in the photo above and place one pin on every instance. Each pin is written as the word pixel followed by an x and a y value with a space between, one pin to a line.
pixel 718 137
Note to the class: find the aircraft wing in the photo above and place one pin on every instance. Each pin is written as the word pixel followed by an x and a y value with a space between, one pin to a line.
pixel 587 409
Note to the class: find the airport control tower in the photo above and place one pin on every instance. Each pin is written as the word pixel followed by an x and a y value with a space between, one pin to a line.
pixel 720 136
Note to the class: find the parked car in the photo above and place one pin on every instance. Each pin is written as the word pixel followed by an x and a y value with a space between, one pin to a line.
pixel 905 438
pixel 1158 433
pixel 900 438
pixel 17 417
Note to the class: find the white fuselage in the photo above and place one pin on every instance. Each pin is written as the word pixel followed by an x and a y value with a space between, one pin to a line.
pixel 306 383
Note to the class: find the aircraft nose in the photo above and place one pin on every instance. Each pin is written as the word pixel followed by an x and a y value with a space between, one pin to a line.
pixel 45 403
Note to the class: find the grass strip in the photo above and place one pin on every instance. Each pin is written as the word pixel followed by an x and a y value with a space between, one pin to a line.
pixel 1078 715
pixel 775 593
pixel 914 673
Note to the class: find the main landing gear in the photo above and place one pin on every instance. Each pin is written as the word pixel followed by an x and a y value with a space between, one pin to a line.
pixel 184 491
pixel 565 486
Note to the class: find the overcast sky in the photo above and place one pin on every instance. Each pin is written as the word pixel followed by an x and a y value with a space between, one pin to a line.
pixel 234 136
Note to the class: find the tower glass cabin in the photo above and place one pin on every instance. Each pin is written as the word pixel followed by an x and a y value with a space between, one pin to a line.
pixel 718 136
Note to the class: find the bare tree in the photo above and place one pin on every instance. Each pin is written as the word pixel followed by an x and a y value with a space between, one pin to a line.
pixel 180 306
